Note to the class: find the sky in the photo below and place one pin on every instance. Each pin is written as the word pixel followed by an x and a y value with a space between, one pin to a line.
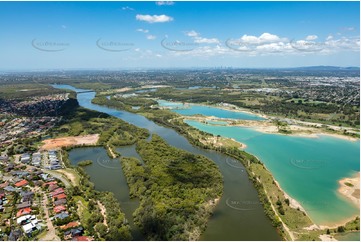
pixel 126 35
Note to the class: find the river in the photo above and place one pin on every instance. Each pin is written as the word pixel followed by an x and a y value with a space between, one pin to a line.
pixel 239 214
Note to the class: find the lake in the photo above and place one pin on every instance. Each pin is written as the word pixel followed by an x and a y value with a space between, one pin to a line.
pixel 193 109
pixel 308 169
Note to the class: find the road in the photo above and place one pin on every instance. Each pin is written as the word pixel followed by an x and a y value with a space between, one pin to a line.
pixel 50 235
pixel 58 176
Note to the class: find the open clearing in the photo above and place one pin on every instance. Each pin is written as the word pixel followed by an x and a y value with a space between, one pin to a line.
pixel 52 144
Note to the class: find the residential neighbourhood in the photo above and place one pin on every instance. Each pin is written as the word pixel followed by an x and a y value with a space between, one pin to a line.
pixel 33 203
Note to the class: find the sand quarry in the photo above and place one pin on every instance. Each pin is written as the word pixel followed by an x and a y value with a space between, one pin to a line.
pixel 53 144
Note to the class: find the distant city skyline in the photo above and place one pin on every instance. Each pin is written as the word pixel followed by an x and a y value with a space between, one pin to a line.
pixel 128 35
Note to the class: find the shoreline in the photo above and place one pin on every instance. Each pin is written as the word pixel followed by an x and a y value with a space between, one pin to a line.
pixel 274 130
pixel 352 190
pixel 293 202
pixel 268 128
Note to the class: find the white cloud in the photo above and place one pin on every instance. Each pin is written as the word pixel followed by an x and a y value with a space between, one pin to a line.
pixel 127 8
pixel 311 37
pixel 201 40
pixel 263 38
pixel 269 44
pixel 151 37
pixel 161 3
pixel 154 18
pixel 143 30
pixel 329 37
pixel 266 37
pixel 192 33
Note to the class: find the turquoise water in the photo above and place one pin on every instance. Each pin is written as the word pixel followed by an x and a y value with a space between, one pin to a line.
pixel 308 169
pixel 193 109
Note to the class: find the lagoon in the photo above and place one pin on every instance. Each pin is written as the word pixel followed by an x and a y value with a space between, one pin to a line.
pixel 308 169
pixel 193 109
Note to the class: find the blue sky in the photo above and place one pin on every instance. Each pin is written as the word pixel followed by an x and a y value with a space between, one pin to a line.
pixel 63 35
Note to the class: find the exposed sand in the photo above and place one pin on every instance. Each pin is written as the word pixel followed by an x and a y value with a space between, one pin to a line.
pixel 351 192
pixel 51 144
pixel 327 237
pixel 267 126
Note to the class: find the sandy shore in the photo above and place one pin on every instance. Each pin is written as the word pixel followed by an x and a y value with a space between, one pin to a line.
pixel 293 202
pixel 299 128
pixel 352 190
pixel 327 237
pixel 267 126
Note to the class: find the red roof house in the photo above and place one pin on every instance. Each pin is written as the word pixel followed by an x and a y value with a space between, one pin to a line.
pixel 69 225
pixel 60 196
pixel 23 211
pixel 57 192
pixel 21 183
pixel 59 209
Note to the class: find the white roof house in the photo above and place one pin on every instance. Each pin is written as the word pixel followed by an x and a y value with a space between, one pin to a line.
pixel 19 220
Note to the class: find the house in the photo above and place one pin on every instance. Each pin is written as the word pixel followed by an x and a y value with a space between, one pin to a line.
pixel 44 176
pixel 74 232
pixel 59 209
pixel 31 227
pixel 69 225
pixel 60 202
pixel 23 211
pixel 9 167
pixel 25 219
pixel 60 196
pixel 5 184
pixel 55 167
pixel 57 192
pixel 15 235
pixel 50 183
pixel 21 183
pixel 38 183
pixel 51 188
pixel 19 174
pixel 82 238
pixel 10 189
pixel 25 158
pixel 26 196
pixel 22 205
pixel 36 159
pixel 62 215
